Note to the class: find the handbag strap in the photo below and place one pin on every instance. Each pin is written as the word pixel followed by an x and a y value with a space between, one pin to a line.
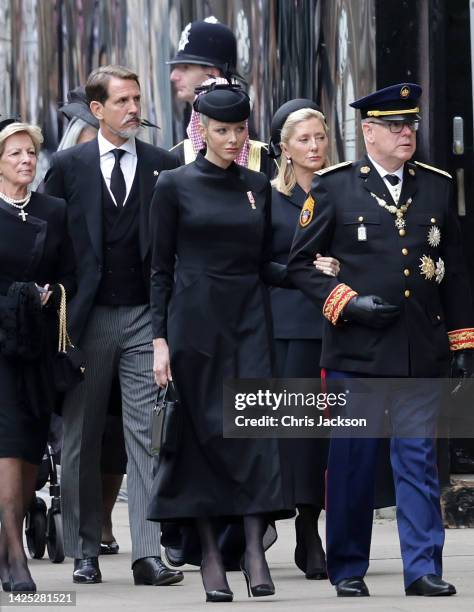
pixel 63 337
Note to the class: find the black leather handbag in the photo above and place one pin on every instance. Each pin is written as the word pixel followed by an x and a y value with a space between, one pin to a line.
pixel 166 424
pixel 68 363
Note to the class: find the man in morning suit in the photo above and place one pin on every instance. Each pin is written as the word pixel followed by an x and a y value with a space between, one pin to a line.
pixel 399 309
pixel 107 184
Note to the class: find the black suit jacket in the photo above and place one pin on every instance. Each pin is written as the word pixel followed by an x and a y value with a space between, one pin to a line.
pixel 386 264
pixel 294 315
pixel 75 175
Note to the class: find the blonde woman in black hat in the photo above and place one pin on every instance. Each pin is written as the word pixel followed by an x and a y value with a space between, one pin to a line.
pixel 210 323
pixel 35 255
pixel 299 137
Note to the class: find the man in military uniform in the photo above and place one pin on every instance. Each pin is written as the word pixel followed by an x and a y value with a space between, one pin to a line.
pixel 208 49
pixel 399 308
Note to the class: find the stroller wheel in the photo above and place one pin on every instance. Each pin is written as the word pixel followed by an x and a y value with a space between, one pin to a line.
pixel 35 528
pixel 54 537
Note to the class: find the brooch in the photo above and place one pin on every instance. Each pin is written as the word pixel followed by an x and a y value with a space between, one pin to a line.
pixel 427 267
pixel 434 236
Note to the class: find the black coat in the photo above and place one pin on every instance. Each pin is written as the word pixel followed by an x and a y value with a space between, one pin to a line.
pixel 294 315
pixel 213 309
pixel 75 175
pixel 37 250
pixel 388 265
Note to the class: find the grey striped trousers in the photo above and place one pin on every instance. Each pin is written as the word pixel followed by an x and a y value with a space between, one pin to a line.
pixel 116 339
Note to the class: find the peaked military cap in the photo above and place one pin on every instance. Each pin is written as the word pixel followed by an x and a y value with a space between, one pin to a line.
pixel 78 106
pixel 209 43
pixel 279 119
pixel 228 103
pixel 395 103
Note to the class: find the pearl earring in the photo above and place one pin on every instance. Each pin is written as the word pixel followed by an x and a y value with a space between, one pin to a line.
pixel 288 160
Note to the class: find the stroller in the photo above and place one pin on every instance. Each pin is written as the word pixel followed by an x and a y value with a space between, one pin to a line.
pixel 43 527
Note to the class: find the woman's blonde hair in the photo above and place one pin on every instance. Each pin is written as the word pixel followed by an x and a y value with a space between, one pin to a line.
pixel 33 131
pixel 285 179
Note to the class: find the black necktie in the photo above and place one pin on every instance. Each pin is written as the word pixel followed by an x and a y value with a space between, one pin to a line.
pixel 393 179
pixel 117 180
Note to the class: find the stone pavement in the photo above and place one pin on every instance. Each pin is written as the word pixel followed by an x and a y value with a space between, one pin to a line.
pixel 294 592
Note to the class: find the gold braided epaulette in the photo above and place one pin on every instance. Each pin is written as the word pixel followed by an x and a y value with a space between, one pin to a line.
pixel 433 169
pixel 331 168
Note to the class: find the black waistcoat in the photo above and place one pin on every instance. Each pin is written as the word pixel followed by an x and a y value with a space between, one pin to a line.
pixel 122 281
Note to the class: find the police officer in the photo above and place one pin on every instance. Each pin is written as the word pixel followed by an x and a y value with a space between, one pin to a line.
pixel 399 308
pixel 208 49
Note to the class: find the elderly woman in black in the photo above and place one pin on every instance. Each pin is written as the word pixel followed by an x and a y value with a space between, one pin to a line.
pixel 210 323
pixel 35 255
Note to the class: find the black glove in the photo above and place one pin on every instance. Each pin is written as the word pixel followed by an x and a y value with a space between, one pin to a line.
pixel 370 310
pixel 462 367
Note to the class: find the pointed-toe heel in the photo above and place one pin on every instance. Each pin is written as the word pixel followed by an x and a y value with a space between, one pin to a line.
pixel 218 595
pixel 260 590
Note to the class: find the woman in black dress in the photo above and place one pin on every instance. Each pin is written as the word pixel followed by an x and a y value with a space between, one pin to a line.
pixel 212 312
pixel 299 136
pixel 34 249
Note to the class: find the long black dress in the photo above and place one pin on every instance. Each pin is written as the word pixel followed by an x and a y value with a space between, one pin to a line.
pixel 215 316
pixel 37 249
pixel 297 325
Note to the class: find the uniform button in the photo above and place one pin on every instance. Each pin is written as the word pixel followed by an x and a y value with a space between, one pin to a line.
pixel 433 220
pixel 360 219
pixel 406 272
pixel 402 232
pixel 407 293
pixel 405 251
pixel 438 317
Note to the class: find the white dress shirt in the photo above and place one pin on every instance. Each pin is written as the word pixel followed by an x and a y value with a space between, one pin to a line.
pixel 128 162
pixel 396 190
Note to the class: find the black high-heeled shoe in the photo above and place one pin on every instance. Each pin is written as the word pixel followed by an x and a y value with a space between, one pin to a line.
pixel 260 590
pixel 218 595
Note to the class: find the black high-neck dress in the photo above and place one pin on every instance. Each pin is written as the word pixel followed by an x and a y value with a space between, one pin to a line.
pixel 213 309
pixel 39 250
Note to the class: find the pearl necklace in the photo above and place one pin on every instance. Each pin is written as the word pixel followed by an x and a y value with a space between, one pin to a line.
pixel 19 204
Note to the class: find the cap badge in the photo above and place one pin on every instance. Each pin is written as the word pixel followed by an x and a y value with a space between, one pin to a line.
pixel 427 267
pixel 183 41
pixel 404 91
pixel 434 236
pixel 365 170
pixel 307 212
pixel 155 173
pixel 251 200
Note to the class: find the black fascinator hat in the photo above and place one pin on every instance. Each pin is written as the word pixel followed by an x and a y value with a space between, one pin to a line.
pixel 228 102
pixel 78 106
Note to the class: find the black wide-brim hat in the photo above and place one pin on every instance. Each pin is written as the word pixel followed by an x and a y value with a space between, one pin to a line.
pixel 395 103
pixel 227 103
pixel 279 118
pixel 208 43
pixel 78 106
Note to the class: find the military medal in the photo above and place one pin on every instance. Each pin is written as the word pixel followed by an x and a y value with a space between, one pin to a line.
pixel 251 200
pixel 439 272
pixel 361 233
pixel 434 236
pixel 427 267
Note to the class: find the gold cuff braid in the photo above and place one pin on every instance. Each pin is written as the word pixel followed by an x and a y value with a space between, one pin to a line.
pixel 336 301
pixel 460 339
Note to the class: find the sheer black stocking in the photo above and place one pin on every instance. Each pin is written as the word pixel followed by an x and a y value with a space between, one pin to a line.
pixel 17 485
pixel 111 484
pixel 212 567
pixel 254 559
